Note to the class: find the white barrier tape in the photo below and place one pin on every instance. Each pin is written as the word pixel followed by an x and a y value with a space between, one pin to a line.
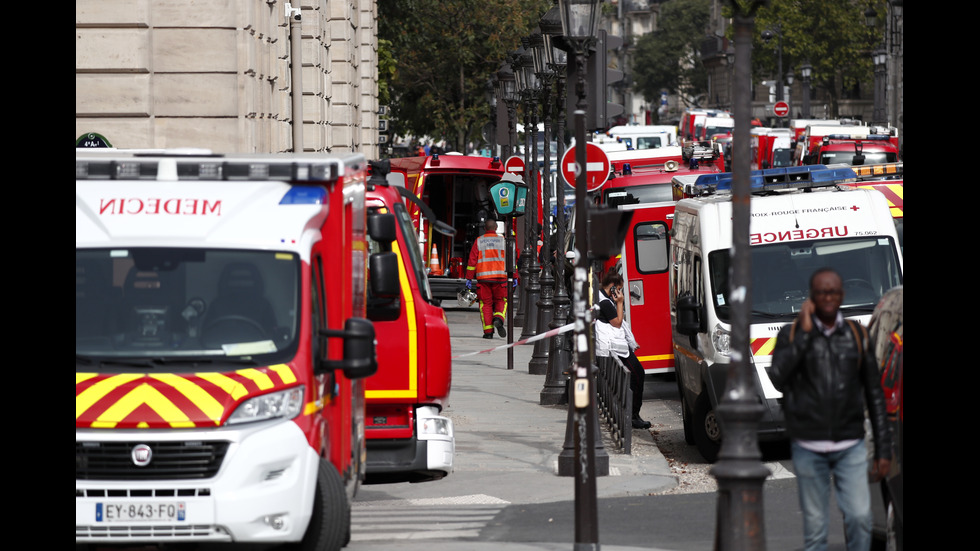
pixel 529 340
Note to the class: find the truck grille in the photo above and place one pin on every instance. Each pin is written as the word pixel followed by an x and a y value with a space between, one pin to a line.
pixel 171 460
pixel 150 532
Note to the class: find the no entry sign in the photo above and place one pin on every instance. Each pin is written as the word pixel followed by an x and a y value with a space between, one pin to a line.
pixel 596 167
pixel 515 165
pixel 781 109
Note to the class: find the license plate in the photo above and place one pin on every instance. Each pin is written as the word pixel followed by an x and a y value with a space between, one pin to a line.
pixel 140 511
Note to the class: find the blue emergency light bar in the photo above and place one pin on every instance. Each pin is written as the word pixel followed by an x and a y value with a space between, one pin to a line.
pixel 867 138
pixel 776 179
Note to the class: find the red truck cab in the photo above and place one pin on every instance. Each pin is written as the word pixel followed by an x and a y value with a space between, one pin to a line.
pixel 643 259
pixel 407 438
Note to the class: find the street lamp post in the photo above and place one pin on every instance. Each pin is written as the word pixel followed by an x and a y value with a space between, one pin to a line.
pixel 580 25
pixel 555 384
pixel 806 70
pixel 539 358
pixel 532 231
pixel 740 516
pixel 880 59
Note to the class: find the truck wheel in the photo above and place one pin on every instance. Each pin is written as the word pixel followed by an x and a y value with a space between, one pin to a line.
pixel 707 431
pixel 330 523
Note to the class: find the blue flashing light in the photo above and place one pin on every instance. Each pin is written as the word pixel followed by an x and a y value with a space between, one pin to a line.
pixel 627 169
pixel 304 195
pixel 773 179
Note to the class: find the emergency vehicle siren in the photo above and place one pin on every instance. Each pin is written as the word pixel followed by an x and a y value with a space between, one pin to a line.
pixel 773 179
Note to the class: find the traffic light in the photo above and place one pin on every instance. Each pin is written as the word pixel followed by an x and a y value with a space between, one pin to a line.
pixel 600 112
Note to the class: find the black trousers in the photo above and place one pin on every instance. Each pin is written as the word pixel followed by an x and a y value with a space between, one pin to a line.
pixel 636 380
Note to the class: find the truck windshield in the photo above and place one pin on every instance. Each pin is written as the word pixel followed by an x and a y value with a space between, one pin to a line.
pixel 145 306
pixel 631 195
pixel 782 157
pixel 781 274
pixel 847 157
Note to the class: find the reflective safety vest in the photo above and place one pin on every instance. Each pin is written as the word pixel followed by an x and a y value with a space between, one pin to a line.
pixel 490 257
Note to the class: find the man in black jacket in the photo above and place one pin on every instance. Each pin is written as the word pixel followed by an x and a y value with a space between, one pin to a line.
pixel 824 367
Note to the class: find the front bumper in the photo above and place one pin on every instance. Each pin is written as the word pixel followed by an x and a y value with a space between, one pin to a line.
pixel 262 492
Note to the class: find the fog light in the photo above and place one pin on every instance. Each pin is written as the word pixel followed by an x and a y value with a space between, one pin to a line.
pixel 276 522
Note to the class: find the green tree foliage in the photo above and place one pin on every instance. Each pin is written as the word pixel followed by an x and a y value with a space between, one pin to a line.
pixel 669 58
pixel 831 34
pixel 444 52
pixel 386 71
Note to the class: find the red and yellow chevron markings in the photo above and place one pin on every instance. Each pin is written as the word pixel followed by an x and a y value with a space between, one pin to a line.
pixel 170 400
pixel 762 347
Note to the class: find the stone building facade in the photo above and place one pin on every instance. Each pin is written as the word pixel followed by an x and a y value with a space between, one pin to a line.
pixel 216 74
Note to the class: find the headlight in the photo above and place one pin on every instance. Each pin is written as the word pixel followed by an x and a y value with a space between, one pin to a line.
pixel 435 427
pixel 721 339
pixel 286 403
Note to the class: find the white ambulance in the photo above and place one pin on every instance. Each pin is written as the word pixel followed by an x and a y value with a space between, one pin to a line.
pixel 221 346
pixel 800 221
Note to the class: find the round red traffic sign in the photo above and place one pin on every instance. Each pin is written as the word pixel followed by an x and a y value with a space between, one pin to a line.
pixel 780 109
pixel 515 165
pixel 596 167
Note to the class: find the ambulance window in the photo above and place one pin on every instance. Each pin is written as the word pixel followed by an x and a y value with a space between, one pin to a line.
pixel 651 245
pixel 412 250
pixel 649 142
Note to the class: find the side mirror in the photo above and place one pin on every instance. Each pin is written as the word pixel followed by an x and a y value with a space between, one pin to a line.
pixel 381 227
pixel 384 275
pixel 360 356
pixel 688 315
pixel 607 231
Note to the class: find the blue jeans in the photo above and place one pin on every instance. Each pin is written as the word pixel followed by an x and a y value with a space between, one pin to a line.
pixel 850 475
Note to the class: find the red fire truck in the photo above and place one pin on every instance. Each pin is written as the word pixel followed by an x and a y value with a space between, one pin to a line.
pixel 851 145
pixel 407 438
pixel 221 346
pixel 647 192
pixel 456 188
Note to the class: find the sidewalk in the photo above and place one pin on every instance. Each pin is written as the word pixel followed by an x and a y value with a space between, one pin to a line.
pixel 507 445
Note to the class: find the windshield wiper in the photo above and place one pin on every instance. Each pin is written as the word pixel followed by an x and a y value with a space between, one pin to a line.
pixel 116 362
pixel 773 315
pixel 192 360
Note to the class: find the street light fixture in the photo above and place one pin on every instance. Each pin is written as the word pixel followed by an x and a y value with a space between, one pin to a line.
pixel 880 59
pixel 546 281
pixel 533 43
pixel 555 384
pixel 806 70
pixel 580 26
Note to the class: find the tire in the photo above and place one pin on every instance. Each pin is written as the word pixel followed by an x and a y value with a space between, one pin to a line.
pixel 707 431
pixel 686 416
pixel 330 524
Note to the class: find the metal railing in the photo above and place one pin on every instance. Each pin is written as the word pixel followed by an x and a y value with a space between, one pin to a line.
pixel 616 401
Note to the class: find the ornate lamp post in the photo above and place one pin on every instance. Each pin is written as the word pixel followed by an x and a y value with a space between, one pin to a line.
pixel 740 520
pixel 546 282
pixel 880 59
pixel 555 384
pixel 531 230
pixel 806 70
pixel 580 25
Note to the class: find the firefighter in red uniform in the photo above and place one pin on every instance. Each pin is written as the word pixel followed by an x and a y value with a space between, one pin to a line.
pixel 488 264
